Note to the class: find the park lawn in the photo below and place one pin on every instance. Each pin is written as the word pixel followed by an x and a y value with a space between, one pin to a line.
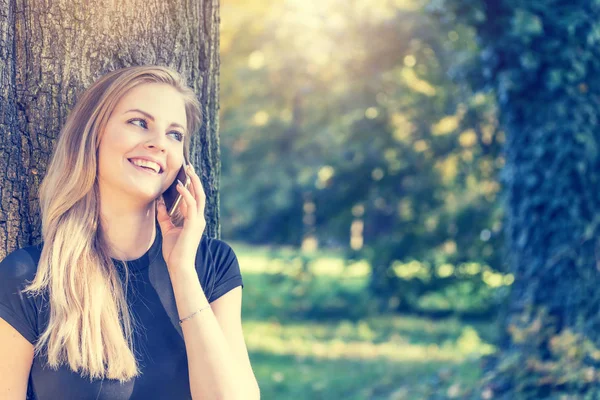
pixel 333 357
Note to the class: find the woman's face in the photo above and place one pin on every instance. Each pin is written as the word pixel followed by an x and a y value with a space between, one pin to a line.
pixel 148 122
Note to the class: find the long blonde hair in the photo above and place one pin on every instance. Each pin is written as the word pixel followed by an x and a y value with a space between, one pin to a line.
pixel 90 327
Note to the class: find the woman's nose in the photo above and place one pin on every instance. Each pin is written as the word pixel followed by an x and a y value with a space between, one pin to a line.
pixel 156 141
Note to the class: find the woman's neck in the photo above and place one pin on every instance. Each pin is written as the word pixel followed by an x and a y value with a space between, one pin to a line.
pixel 129 235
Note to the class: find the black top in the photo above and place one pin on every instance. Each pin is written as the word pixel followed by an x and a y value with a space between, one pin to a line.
pixel 158 340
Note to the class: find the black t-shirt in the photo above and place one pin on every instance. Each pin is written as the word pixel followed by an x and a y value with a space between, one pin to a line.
pixel 158 340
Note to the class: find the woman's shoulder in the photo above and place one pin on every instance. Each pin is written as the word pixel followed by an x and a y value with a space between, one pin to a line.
pixel 216 244
pixel 218 249
pixel 20 264
pixel 223 268
pixel 21 310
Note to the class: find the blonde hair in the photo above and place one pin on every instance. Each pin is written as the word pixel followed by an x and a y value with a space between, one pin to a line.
pixel 90 327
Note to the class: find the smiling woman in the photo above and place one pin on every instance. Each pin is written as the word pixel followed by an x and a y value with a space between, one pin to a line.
pixel 145 125
pixel 121 301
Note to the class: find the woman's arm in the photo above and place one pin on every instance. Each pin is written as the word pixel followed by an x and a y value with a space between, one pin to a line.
pixel 218 364
pixel 16 357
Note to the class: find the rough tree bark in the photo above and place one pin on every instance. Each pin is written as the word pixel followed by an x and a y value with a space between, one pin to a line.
pixel 51 50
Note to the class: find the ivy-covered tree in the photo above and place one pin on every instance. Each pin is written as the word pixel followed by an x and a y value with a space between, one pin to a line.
pixel 541 60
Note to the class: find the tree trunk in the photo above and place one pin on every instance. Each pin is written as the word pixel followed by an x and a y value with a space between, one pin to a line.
pixel 542 60
pixel 51 50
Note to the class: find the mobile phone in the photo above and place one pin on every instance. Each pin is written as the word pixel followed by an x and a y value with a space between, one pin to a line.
pixel 171 196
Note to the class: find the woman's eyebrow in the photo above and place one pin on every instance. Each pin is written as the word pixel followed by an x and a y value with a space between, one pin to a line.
pixel 151 118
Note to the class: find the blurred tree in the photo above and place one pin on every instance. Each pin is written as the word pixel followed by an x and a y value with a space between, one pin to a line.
pixel 352 113
pixel 541 60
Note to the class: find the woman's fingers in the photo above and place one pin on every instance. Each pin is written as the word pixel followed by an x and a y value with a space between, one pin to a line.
pixel 194 199
pixel 184 207
pixel 197 188
pixel 163 217
pixel 190 202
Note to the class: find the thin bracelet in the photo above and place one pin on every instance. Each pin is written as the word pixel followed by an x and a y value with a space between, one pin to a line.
pixel 194 313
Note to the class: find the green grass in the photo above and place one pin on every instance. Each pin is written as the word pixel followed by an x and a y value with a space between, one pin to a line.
pixel 310 334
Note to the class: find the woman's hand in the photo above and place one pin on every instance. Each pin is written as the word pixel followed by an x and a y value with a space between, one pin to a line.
pixel 180 244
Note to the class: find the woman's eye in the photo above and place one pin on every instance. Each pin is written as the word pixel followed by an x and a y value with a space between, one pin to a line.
pixel 142 122
pixel 177 134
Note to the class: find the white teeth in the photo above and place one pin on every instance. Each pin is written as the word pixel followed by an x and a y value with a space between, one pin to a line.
pixel 145 163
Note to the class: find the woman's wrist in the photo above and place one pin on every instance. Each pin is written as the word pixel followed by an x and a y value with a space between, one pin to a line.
pixel 185 270
pixel 205 307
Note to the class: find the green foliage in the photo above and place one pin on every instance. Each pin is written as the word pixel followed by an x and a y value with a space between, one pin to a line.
pixel 321 285
pixel 332 353
pixel 301 296
pixel 360 118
